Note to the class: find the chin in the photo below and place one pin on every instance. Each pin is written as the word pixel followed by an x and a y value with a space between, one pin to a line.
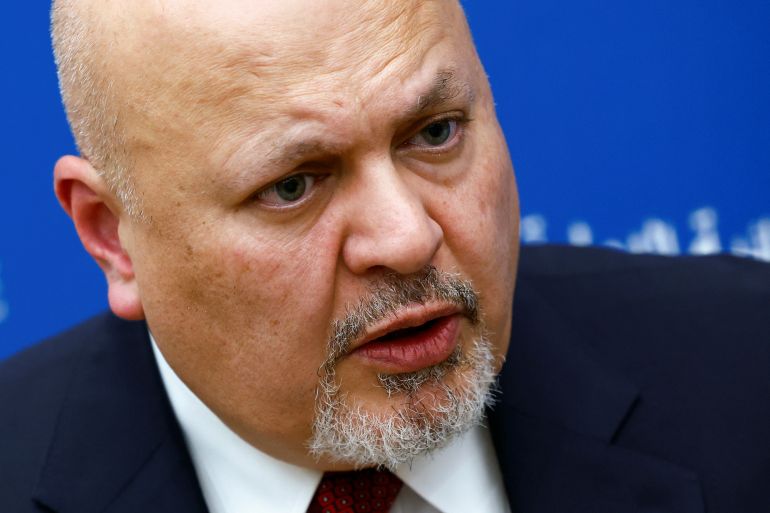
pixel 406 415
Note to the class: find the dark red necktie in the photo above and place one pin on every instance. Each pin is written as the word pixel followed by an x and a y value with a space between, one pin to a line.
pixel 360 491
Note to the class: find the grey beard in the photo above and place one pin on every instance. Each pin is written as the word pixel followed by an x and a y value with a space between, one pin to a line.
pixel 410 382
pixel 346 432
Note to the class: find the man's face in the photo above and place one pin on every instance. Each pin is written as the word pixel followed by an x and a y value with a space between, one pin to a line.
pixel 293 158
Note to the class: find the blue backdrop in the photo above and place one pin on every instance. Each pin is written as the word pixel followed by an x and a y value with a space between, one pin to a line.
pixel 640 124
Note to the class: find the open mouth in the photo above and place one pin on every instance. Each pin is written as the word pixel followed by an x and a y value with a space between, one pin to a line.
pixel 413 348
pixel 408 332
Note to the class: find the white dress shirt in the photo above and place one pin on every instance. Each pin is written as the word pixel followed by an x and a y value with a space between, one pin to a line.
pixel 235 477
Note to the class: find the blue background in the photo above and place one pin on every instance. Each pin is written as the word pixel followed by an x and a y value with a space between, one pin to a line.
pixel 615 112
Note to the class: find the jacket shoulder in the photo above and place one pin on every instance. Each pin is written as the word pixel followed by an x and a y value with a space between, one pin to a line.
pixel 591 281
pixel 47 365
pixel 565 261
pixel 33 391
pixel 629 304
pixel 690 333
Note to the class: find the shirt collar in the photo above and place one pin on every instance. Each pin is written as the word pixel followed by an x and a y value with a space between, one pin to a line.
pixel 235 477
pixel 464 476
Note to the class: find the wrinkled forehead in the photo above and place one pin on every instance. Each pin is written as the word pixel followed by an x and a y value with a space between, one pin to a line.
pixel 201 48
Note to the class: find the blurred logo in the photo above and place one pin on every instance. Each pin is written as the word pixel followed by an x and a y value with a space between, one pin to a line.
pixel 660 237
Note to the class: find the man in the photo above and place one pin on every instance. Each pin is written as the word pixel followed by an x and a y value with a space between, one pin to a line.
pixel 307 218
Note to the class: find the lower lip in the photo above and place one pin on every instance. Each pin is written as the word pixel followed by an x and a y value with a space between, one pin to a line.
pixel 414 351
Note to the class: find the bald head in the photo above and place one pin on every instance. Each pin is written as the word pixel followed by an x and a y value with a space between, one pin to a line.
pixel 124 67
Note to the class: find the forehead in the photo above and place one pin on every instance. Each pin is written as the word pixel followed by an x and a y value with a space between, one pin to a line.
pixel 208 52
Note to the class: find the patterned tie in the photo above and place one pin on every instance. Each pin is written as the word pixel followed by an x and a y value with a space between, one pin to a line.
pixel 360 491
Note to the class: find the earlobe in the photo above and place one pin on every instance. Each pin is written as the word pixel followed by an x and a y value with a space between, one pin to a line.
pixel 95 213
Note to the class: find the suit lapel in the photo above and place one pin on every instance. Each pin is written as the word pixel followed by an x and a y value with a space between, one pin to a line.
pixel 117 446
pixel 555 426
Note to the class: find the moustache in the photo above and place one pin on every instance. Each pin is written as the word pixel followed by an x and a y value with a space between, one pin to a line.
pixel 392 292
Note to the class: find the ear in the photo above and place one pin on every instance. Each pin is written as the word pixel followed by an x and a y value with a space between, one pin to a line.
pixel 97 215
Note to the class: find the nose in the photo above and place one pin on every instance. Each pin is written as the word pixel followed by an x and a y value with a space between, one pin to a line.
pixel 389 226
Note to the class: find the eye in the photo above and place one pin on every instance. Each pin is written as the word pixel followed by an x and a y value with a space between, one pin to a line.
pixel 436 134
pixel 289 191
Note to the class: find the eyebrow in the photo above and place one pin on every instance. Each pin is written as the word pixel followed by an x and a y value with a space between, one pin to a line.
pixel 445 88
pixel 298 151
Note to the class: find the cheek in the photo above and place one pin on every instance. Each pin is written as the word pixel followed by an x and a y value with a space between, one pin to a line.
pixel 244 319
pixel 479 215
pixel 480 221
pixel 274 292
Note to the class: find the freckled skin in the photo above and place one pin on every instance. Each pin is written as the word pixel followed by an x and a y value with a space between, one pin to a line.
pixel 240 298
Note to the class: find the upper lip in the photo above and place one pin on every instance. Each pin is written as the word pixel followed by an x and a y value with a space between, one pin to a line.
pixel 407 317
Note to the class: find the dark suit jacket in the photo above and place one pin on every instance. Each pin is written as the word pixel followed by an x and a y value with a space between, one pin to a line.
pixel 633 384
